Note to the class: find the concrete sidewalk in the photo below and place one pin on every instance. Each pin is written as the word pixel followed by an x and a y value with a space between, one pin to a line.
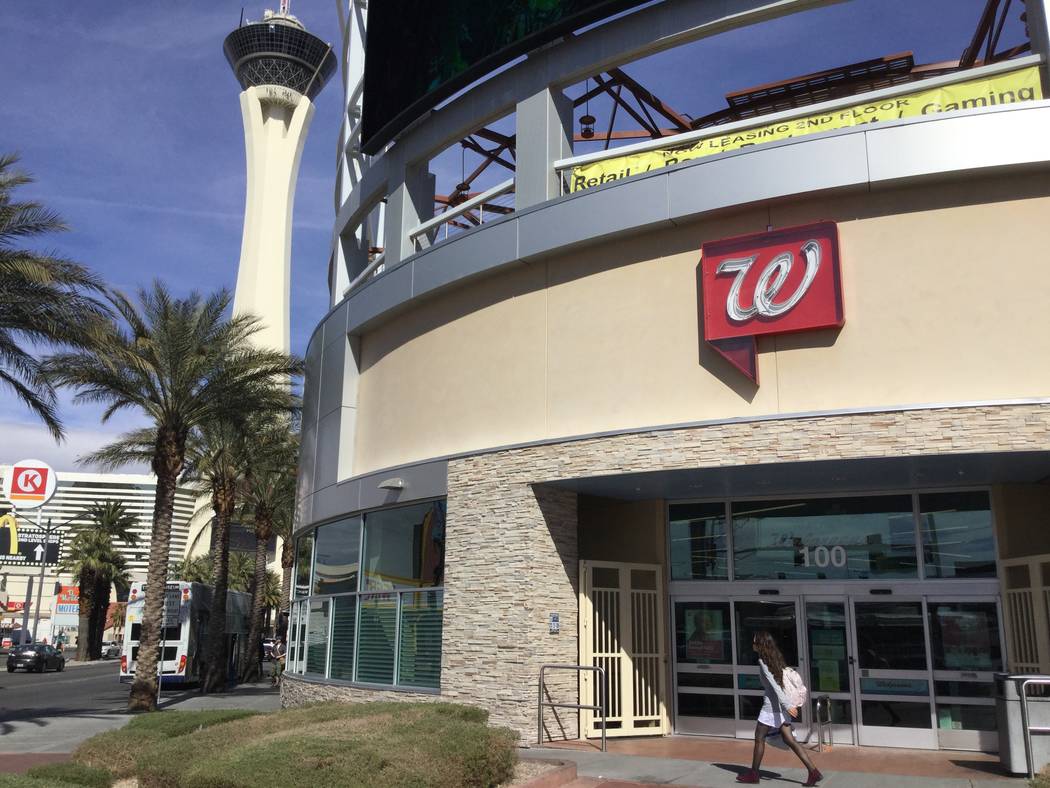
pixel 610 768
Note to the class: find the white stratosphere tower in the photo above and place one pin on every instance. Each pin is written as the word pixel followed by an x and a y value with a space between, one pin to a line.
pixel 281 67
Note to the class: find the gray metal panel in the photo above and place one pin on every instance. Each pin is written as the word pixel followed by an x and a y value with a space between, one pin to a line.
pixel 326 464
pixel 425 480
pixel 333 360
pixel 487 247
pixel 307 458
pixel 335 501
pixel 380 295
pixel 968 142
pixel 335 322
pixel 764 173
pixel 543 122
pixel 628 206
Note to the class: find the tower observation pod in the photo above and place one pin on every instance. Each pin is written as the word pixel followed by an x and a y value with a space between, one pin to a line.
pixel 281 67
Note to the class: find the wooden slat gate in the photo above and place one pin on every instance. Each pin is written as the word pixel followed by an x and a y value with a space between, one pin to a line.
pixel 623 631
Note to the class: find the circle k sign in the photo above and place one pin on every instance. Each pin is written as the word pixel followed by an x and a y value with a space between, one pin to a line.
pixel 30 484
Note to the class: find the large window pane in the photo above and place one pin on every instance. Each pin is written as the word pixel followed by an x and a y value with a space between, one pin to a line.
pixel 377 632
pixel 317 637
pixel 336 552
pixel 776 618
pixel 698 541
pixel 895 714
pixel 831 538
pixel 405 547
pixel 419 657
pixel 344 632
pixel 692 705
pixel 828 657
pixel 890 636
pixel 304 554
pixel 702 633
pixel 957 534
pixel 965 636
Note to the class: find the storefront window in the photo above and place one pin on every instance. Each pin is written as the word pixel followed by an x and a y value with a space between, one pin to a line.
pixel 698 541
pixel 337 551
pixel 831 538
pixel 376 621
pixel 317 637
pixel 957 534
pixel 405 547
pixel 419 652
pixel 965 636
pixel 304 553
pixel 344 632
pixel 375 655
pixel 704 634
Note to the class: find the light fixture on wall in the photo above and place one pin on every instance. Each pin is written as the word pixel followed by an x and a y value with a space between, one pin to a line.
pixel 393 483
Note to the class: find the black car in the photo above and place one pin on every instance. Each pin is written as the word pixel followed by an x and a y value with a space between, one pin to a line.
pixel 36 657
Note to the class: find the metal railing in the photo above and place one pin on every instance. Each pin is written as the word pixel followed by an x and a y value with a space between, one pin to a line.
pixel 601 707
pixel 416 234
pixel 1028 730
pixel 823 704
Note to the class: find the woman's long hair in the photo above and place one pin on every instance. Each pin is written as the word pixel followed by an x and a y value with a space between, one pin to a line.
pixel 769 652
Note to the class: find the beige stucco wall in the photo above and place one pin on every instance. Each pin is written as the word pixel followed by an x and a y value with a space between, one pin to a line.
pixel 944 302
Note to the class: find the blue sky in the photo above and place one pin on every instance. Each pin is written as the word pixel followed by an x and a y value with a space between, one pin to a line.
pixel 127 115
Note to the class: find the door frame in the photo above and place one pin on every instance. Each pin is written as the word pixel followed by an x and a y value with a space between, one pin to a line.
pixel 840 734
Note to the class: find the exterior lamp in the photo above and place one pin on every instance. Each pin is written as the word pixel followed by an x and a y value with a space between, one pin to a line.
pixel 394 483
pixel 587 126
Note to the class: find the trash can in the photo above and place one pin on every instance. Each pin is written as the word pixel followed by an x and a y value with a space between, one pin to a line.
pixel 1008 717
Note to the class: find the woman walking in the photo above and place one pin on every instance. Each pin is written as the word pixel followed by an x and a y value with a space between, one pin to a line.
pixel 777 707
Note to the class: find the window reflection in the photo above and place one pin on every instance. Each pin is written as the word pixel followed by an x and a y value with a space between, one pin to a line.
pixel 957 534
pixel 337 551
pixel 304 553
pixel 405 547
pixel 698 541
pixel 829 538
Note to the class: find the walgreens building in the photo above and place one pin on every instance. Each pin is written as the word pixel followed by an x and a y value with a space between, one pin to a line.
pixel 785 370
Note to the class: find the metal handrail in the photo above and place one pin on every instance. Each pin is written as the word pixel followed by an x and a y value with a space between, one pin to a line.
pixel 599 707
pixel 1028 730
pixel 823 702
pixel 444 218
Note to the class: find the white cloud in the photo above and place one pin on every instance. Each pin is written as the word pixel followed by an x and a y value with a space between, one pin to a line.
pixel 20 441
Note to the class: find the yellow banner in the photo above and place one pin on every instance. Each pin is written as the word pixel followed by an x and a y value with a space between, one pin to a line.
pixel 1009 88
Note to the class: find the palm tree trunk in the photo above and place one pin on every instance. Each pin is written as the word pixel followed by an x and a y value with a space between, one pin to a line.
pixel 218 658
pixel 167 465
pixel 251 669
pixel 87 609
pixel 287 562
pixel 98 626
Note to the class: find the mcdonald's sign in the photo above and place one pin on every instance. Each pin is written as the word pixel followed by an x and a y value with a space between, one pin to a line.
pixel 9 523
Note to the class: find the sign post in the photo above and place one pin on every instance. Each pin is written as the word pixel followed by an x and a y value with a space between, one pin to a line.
pixel 29 485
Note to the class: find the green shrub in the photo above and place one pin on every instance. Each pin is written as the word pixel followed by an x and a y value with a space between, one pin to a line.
pixel 75 773
pixel 372 745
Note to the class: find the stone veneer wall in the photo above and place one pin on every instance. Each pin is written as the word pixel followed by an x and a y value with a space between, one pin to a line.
pixel 511 550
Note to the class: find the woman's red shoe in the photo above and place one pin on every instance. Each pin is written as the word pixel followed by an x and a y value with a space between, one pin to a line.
pixel 750 776
pixel 814 777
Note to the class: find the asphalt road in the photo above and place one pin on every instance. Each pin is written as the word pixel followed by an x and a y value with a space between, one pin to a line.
pixel 53 712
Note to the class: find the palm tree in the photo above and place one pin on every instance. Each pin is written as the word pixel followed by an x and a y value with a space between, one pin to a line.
pixel 193 570
pixel 269 499
pixel 96 563
pixel 44 300
pixel 183 364
pixel 116 617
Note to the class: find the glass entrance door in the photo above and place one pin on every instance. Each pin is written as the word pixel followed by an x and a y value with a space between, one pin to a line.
pixel 829 642
pixel 892 683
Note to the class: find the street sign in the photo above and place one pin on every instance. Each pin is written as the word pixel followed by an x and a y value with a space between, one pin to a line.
pixel 30 484
pixel 35 548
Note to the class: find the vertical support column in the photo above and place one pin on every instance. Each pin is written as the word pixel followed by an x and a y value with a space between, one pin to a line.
pixel 410 202
pixel 1038 15
pixel 544 135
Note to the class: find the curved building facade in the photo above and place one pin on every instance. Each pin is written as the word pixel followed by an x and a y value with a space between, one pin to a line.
pixel 793 386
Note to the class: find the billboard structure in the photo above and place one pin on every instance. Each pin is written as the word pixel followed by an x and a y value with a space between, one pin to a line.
pixel 415 58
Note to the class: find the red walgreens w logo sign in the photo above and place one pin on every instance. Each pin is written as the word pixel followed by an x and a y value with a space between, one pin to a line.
pixel 777 282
